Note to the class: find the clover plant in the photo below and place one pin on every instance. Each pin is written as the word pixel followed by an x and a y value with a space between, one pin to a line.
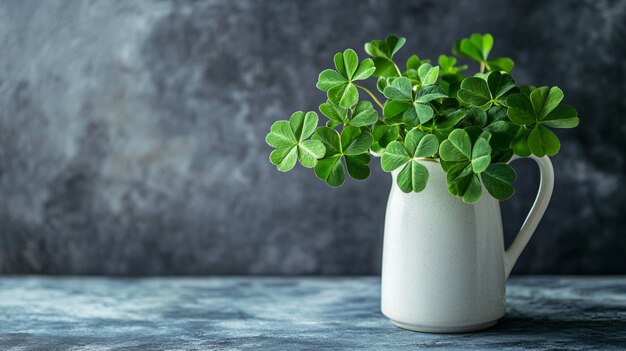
pixel 472 125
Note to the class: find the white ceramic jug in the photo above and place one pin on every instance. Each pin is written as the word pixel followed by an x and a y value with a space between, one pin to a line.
pixel 444 262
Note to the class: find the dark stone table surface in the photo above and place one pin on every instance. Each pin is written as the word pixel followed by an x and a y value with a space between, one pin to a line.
pixel 290 313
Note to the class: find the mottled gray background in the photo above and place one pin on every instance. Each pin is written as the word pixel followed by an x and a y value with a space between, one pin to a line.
pixel 131 133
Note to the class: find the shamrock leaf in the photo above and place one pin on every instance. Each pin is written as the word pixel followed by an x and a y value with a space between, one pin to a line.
pixel 339 84
pixel 458 147
pixel 407 106
pixel 542 141
pixel 336 114
pixel 424 74
pixel 363 115
pixel 428 74
pixel 500 64
pixel 412 66
pixel 383 135
pixel 476 116
pixel 413 176
pixel 382 83
pixel 520 142
pixel 486 92
pixel 383 52
pixel 464 163
pixel 449 120
pixel 352 145
pixel 428 93
pixel 451 83
pixel 535 112
pixel 289 139
pixel 502 133
pixel 526 89
pixel 496 122
pixel 498 179
pixel 400 89
pixel 447 65
pixel 414 62
pixel 477 47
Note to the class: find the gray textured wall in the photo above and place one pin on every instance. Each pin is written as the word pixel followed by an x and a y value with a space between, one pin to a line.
pixel 131 133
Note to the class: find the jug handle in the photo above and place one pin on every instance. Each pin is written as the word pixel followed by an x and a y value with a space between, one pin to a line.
pixel 546 184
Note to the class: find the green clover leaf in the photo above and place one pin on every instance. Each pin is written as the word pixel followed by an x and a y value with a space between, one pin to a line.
pixel 352 145
pixel 407 106
pixel 477 47
pixel 500 64
pixel 475 91
pixel 412 66
pixel 520 142
pixel 383 135
pixel 428 93
pixel 497 123
pixel 427 73
pixel 498 179
pixel 476 116
pixel 382 52
pixel 451 119
pixel 336 114
pixel 362 115
pixel 451 77
pixel 502 132
pixel 463 183
pixel 289 139
pixel 526 89
pixel 464 163
pixel 467 165
pixel 486 92
pixel 534 113
pixel 457 148
pixel 381 83
pixel 447 64
pixel 414 62
pixel 424 74
pixel 339 84
pixel 542 141
pixel 400 89
pixel 413 176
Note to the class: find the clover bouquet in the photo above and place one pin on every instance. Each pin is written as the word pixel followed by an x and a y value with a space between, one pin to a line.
pixel 472 125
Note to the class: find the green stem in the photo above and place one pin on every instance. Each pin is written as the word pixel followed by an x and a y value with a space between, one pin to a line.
pixel 482 67
pixel 397 69
pixel 370 94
